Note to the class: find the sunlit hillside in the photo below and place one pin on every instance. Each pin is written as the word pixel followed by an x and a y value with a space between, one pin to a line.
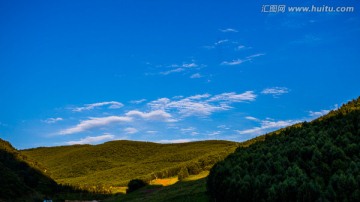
pixel 116 163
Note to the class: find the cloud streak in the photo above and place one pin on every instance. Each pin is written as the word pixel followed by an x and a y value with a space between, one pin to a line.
pixel 95 123
pixel 53 120
pixel 112 105
pixel 233 97
pixel 275 91
pixel 319 113
pixel 180 68
pixel 233 62
pixel 201 104
pixel 153 115
pixel 241 61
pixel 221 42
pixel 266 126
pixel 131 130
pixel 196 76
pixel 177 70
pixel 138 101
pixel 228 30
pixel 251 118
pixel 92 139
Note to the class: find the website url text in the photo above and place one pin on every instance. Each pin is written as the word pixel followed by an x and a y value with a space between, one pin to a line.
pixel 306 9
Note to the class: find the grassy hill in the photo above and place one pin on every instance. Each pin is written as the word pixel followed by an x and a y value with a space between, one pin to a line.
pixel 115 163
pixel 316 161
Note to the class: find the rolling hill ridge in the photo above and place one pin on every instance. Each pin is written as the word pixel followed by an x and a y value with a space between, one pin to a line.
pixel 115 163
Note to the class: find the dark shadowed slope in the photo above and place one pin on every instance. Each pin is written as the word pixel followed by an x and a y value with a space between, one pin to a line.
pixel 316 161
pixel 21 179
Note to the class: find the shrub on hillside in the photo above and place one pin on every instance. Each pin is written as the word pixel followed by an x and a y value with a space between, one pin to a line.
pixel 183 173
pixel 194 168
pixel 135 184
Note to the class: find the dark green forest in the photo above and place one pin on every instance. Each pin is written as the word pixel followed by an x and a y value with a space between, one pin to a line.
pixel 312 161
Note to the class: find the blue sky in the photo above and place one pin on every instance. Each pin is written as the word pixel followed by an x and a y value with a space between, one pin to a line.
pixel 75 72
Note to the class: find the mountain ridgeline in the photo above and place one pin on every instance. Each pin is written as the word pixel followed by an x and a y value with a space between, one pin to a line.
pixel 115 163
pixel 315 161
pixel 91 171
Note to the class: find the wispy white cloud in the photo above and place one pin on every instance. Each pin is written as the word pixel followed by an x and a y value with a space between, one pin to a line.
pixel 188 107
pixel 196 76
pixel 160 104
pixel 234 97
pixel 159 115
pixel 199 96
pixel 223 127
pixel 112 105
pixel 275 91
pixel 254 56
pixel 92 139
pixel 241 61
pixel 202 104
pixel 233 62
pixel 221 41
pixel 319 113
pixel 267 126
pixel 131 130
pixel 152 132
pixel 240 47
pixel 176 141
pixel 52 120
pixel 192 105
pixel 251 118
pixel 189 129
pixel 176 68
pixel 214 133
pixel 194 133
pixel 94 123
pixel 138 101
pixel 189 65
pixel 228 30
